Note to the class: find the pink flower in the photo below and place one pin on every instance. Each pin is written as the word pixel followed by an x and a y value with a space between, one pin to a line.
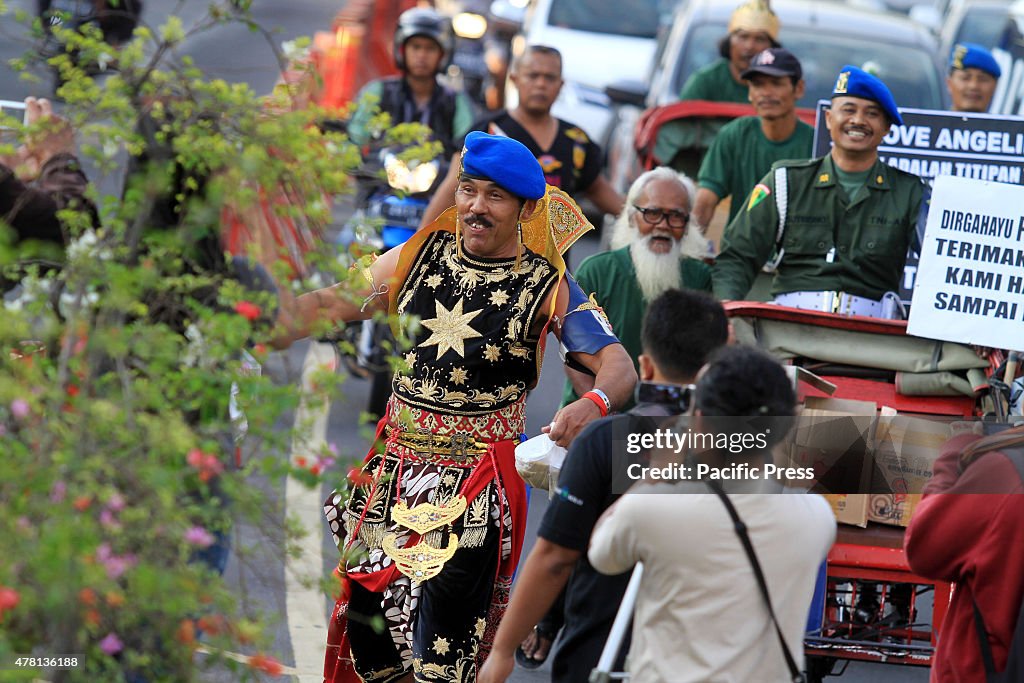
pixel 116 503
pixel 116 565
pixel 108 520
pixel 111 645
pixel 58 491
pixel 19 408
pixel 199 536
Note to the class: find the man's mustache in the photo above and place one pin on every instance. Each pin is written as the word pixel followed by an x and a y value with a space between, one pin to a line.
pixel 477 219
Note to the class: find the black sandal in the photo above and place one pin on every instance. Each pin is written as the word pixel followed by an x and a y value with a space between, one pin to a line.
pixel 530 662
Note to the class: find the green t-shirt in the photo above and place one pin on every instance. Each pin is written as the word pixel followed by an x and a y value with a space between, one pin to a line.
pixel 714 82
pixel 741 155
pixel 611 278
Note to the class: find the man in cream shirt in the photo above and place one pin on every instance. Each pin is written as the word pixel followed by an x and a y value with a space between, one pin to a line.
pixel 700 615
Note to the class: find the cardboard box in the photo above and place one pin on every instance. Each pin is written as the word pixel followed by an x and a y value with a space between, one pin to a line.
pixel 905 451
pixel 849 508
pixel 836 437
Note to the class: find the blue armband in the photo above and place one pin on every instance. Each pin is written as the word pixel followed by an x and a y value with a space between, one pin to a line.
pixel 585 327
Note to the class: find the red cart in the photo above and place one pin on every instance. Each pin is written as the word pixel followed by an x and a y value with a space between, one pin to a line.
pixel 856 355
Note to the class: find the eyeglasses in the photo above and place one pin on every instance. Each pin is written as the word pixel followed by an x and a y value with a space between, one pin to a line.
pixel 675 219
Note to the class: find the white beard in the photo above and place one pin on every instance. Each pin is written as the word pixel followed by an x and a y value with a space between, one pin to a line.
pixel 656 273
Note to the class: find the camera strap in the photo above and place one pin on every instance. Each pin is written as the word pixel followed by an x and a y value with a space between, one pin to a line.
pixel 741 531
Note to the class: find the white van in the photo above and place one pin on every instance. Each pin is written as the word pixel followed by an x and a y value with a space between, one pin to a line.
pixel 601 41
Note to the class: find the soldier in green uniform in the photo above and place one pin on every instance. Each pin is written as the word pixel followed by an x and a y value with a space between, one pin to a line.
pixel 841 224
pixel 753 27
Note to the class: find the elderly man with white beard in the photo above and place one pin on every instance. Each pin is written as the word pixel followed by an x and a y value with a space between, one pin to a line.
pixel 650 243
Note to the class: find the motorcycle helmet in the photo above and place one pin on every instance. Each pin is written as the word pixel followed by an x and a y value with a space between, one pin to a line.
pixel 424 22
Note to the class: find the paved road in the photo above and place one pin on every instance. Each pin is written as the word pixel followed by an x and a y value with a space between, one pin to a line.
pixel 298 611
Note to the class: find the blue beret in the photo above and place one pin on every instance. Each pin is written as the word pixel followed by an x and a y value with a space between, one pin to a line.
pixel 854 82
pixel 506 162
pixel 974 56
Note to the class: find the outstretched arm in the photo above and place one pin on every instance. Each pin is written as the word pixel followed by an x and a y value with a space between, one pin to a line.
pixel 300 316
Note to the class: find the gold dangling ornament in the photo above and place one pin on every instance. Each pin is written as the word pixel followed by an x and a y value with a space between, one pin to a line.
pixel 458 237
pixel 420 562
pixel 519 246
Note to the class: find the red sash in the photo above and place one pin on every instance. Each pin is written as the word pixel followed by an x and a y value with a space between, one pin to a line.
pixel 498 464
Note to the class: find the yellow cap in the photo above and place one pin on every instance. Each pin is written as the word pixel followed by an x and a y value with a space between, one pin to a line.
pixel 755 15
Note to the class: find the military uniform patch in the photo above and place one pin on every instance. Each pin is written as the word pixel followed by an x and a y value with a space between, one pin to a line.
pixel 758 194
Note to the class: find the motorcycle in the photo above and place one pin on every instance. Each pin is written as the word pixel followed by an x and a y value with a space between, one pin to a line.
pixel 392 197
pixel 468 71
pixel 115 20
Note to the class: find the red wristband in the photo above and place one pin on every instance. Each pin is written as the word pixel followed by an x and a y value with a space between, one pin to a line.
pixel 598 401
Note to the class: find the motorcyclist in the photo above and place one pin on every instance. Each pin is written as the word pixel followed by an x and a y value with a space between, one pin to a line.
pixel 423 46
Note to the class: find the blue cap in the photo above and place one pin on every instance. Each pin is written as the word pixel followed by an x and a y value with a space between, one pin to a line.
pixel 506 162
pixel 854 82
pixel 974 56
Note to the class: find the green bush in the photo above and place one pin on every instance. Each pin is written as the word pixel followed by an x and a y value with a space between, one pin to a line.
pixel 116 450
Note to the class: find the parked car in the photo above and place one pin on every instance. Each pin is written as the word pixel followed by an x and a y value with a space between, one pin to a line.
pixel 973 21
pixel 601 41
pixel 823 35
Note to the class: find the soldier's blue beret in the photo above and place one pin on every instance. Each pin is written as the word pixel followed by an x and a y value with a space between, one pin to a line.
pixel 506 162
pixel 854 82
pixel 974 56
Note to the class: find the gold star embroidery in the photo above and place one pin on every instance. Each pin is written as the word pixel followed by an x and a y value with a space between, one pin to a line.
pixel 499 297
pixel 434 281
pixel 458 376
pixel 492 353
pixel 410 358
pixel 481 626
pixel 441 645
pixel 448 479
pixel 450 329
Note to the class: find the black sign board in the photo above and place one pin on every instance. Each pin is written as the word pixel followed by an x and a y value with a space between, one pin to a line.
pixel 933 143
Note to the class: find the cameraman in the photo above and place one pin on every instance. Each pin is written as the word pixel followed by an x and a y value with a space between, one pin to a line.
pixel 681 329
